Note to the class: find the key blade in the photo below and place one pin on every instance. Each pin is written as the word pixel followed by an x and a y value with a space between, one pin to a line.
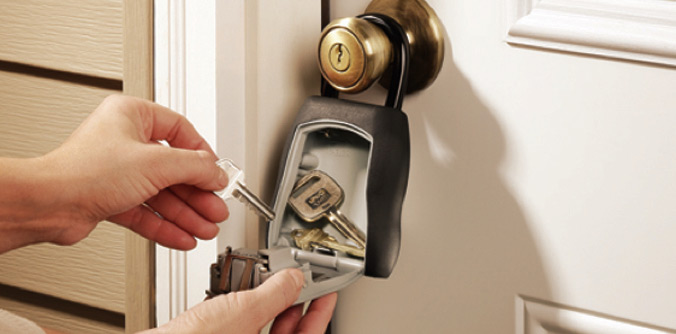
pixel 346 227
pixel 244 195
pixel 336 246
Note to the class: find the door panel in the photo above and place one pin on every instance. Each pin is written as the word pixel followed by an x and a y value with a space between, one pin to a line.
pixel 70 35
pixel 60 315
pixel 533 173
pixel 38 114
pixel 90 272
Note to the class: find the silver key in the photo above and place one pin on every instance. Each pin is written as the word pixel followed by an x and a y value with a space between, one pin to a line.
pixel 237 189
pixel 318 195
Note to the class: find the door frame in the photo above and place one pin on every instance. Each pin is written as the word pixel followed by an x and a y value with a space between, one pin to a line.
pixel 138 81
pixel 189 49
pixel 209 68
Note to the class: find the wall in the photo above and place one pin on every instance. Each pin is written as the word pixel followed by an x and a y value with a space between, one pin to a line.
pixel 58 60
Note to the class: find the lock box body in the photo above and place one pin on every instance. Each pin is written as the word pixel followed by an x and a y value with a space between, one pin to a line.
pixel 366 149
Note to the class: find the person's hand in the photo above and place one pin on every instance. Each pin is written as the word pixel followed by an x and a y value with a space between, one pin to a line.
pixel 249 311
pixel 113 167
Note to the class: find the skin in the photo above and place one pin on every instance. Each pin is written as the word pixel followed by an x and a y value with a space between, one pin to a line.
pixel 114 168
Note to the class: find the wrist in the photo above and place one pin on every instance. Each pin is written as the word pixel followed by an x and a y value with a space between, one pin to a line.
pixel 33 205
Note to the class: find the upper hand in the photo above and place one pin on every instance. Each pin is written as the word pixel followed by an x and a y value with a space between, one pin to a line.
pixel 114 168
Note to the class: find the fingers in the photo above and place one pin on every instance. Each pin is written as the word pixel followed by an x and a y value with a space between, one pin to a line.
pixel 174 209
pixel 206 203
pixel 316 318
pixel 161 123
pixel 318 315
pixel 259 306
pixel 178 166
pixel 287 321
pixel 146 223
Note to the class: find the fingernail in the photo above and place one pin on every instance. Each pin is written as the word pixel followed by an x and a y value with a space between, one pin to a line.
pixel 299 278
pixel 223 178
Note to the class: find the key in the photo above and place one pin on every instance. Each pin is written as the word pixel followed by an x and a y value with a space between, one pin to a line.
pixel 317 195
pixel 237 189
pixel 309 239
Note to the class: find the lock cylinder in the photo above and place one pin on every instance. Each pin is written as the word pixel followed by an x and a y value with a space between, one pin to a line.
pixel 353 54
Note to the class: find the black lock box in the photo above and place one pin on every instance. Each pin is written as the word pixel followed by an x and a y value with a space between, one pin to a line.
pixel 366 149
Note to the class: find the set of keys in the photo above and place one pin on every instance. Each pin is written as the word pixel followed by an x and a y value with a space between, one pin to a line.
pixel 311 239
pixel 315 195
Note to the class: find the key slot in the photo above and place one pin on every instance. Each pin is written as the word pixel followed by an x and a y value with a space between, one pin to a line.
pixel 343 154
pixel 341 151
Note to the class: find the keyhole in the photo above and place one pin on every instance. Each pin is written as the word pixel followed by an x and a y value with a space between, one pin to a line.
pixel 339 56
pixel 340 52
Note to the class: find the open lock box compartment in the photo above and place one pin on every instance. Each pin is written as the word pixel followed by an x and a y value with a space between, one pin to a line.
pixel 366 149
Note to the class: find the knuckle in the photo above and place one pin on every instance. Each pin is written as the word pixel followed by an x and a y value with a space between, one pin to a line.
pixel 114 99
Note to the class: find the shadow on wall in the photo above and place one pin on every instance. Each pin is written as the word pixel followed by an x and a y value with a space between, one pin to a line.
pixel 466 247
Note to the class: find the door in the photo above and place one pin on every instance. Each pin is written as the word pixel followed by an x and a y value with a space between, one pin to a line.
pixel 541 186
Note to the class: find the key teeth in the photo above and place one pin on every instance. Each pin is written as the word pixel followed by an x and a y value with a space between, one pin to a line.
pixel 253 208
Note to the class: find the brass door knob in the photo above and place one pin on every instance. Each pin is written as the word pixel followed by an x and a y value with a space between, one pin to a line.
pixel 353 54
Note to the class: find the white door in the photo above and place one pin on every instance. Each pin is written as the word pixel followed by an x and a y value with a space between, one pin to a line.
pixel 542 185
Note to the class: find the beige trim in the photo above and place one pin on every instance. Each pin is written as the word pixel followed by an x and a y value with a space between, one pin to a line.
pixel 138 81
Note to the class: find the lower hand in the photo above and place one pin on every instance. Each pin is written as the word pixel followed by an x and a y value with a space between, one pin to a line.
pixel 249 311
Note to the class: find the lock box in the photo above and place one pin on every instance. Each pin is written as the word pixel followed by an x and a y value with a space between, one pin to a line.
pixel 358 156
pixel 365 149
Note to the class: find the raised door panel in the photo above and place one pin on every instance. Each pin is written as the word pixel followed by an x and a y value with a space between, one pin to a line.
pixel 79 36
pixel 38 114
pixel 64 317
pixel 90 273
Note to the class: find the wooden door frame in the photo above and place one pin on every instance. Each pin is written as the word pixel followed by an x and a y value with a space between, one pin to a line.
pixel 138 81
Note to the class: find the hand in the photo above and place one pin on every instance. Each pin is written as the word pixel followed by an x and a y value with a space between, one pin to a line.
pixel 249 311
pixel 112 167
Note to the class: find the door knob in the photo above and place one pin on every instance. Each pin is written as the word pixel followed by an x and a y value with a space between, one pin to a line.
pixel 354 53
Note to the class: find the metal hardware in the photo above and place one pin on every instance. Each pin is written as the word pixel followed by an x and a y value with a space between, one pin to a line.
pixel 310 239
pixel 354 52
pixel 425 36
pixel 400 60
pixel 237 270
pixel 318 195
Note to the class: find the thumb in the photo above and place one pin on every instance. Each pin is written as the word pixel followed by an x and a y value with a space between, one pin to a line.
pixel 181 166
pixel 260 306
